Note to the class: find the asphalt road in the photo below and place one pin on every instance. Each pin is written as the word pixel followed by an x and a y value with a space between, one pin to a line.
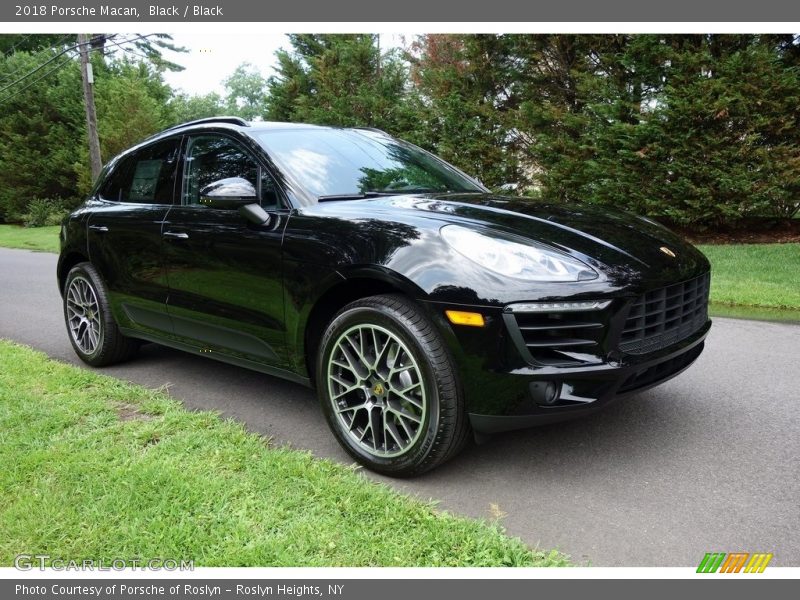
pixel 710 461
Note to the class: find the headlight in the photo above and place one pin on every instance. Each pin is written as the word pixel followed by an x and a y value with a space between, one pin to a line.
pixel 512 259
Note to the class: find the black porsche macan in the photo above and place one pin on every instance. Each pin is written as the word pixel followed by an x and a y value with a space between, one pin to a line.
pixel 421 307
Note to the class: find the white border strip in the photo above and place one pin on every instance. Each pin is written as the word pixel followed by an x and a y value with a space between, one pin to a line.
pixel 331 573
pixel 406 27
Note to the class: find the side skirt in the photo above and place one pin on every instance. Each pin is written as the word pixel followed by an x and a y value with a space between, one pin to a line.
pixel 232 360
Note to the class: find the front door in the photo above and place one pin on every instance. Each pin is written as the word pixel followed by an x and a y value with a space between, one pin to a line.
pixel 224 273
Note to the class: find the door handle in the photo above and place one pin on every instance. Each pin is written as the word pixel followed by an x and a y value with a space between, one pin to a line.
pixel 99 228
pixel 176 235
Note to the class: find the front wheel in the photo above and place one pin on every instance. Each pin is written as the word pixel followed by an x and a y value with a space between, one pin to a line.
pixel 388 387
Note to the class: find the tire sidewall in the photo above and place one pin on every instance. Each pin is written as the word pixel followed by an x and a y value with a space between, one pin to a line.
pixel 385 317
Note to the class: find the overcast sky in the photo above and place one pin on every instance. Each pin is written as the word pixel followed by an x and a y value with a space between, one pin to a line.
pixel 213 57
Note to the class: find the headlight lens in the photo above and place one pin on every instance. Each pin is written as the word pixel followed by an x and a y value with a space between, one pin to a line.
pixel 512 259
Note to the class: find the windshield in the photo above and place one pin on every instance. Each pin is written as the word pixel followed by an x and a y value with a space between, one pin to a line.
pixel 345 163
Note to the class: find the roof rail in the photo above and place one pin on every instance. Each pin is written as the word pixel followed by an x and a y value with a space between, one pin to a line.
pixel 230 120
pixel 374 129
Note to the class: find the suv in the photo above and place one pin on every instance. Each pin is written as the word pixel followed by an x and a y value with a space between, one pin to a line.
pixel 422 307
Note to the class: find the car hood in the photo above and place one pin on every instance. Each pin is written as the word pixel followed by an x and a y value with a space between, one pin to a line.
pixel 612 238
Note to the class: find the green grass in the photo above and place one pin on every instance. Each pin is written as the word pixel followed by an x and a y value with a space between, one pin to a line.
pixel 42 239
pixel 93 467
pixel 759 275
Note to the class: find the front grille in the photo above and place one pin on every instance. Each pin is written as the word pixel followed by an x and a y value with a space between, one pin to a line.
pixel 552 338
pixel 665 316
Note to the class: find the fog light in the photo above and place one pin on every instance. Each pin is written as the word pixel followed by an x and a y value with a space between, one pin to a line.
pixel 460 317
pixel 544 393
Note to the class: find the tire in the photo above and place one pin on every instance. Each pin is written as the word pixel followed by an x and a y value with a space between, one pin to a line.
pixel 388 388
pixel 91 327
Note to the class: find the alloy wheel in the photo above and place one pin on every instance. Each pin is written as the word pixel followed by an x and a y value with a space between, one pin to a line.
pixel 377 391
pixel 83 315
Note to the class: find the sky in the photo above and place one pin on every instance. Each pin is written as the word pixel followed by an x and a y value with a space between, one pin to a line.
pixel 211 58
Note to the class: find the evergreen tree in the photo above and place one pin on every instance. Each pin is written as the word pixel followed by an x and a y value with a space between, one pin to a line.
pixel 339 80
pixel 465 93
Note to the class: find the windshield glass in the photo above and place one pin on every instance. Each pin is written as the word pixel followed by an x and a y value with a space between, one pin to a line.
pixel 352 163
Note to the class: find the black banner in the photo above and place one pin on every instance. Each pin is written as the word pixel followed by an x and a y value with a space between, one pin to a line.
pixel 385 589
pixel 419 11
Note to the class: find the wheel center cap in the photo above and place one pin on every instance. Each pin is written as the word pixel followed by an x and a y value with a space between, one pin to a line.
pixel 378 389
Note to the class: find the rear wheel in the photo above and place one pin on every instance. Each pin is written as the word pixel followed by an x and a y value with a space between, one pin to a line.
pixel 388 387
pixel 92 329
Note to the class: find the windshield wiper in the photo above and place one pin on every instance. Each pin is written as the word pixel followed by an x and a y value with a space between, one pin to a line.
pixel 353 196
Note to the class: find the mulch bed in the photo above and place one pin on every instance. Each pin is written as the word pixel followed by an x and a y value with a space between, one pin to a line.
pixel 755 232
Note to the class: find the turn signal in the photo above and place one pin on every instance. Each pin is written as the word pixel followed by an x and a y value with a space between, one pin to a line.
pixel 460 317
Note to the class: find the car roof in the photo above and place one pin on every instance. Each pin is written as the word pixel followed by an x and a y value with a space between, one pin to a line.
pixel 241 125
pixel 237 123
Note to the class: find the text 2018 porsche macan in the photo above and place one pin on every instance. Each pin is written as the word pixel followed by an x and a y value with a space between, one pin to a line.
pixel 421 306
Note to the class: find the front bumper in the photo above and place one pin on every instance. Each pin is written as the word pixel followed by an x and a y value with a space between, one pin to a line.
pixel 582 391
pixel 506 387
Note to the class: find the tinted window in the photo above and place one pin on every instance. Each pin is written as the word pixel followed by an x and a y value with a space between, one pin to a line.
pixel 147 176
pixel 332 162
pixel 212 160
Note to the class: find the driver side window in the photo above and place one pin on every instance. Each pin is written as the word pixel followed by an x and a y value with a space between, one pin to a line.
pixel 212 161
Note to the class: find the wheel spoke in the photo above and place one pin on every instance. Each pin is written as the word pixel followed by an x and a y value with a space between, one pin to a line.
pixel 356 347
pixel 353 363
pixel 391 429
pixel 375 424
pixel 413 386
pixel 342 382
pixel 403 424
pixel 346 391
pixel 406 415
pixel 410 399
pixel 382 357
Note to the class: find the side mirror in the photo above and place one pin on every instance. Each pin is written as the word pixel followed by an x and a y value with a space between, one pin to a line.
pixel 230 192
pixel 255 214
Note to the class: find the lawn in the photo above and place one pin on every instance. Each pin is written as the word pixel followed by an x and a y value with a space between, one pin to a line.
pixel 43 239
pixel 761 275
pixel 97 468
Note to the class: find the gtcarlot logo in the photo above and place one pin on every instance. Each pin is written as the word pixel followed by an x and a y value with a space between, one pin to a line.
pixel 29 562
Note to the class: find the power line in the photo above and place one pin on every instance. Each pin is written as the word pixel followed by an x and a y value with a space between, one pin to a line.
pixel 21 69
pixel 129 50
pixel 35 81
pixel 59 66
pixel 44 64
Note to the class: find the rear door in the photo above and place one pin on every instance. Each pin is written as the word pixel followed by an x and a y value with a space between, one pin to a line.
pixel 224 273
pixel 124 234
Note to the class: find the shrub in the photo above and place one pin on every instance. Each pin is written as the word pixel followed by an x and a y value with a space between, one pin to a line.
pixel 42 212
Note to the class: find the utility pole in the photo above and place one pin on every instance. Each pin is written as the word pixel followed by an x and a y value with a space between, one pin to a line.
pixel 378 42
pixel 91 116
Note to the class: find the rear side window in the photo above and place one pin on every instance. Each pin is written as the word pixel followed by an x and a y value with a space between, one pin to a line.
pixel 146 177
